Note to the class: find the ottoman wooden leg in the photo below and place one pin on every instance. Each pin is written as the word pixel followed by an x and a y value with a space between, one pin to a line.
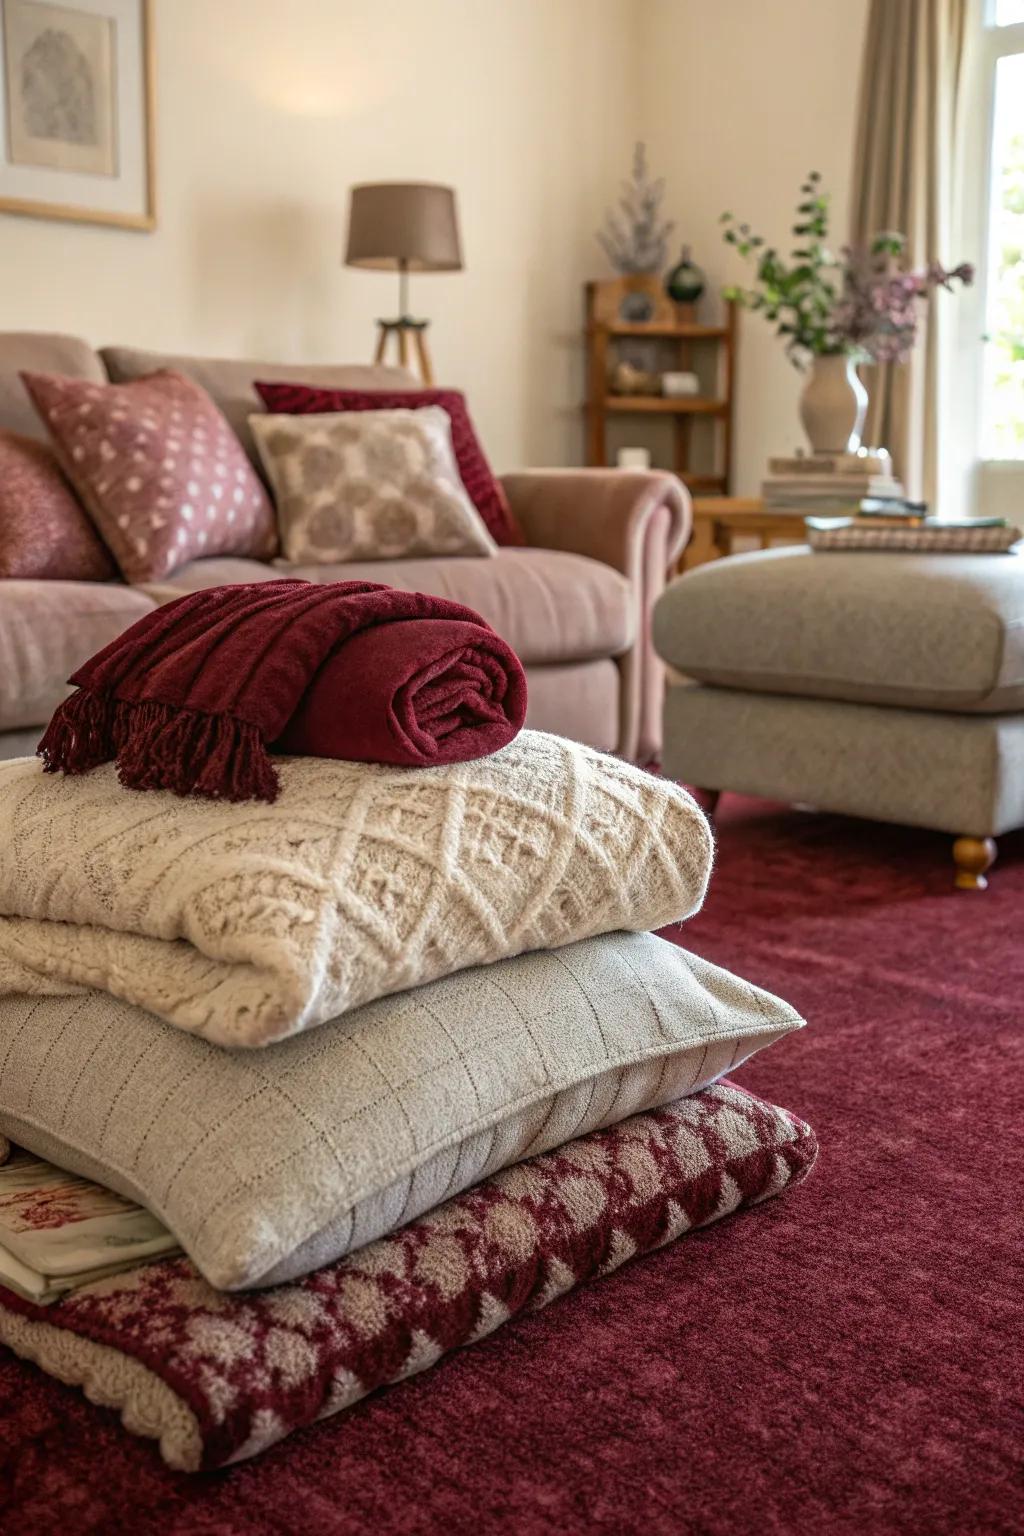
pixel 972 857
pixel 708 800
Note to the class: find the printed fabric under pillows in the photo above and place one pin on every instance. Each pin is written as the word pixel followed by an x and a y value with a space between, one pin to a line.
pixel 266 1165
pixel 158 469
pixel 378 485
pixel 44 532
pixel 484 490
pixel 248 923
pixel 220 1378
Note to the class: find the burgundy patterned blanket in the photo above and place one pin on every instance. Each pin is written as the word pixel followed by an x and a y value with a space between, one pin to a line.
pixel 217 1378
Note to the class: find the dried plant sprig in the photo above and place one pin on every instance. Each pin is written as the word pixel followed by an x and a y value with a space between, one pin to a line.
pixel 636 238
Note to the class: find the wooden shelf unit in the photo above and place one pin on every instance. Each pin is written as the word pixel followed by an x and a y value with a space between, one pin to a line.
pixel 673 323
pixel 660 405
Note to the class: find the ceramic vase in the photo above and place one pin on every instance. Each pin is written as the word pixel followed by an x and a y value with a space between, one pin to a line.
pixel 685 282
pixel 833 405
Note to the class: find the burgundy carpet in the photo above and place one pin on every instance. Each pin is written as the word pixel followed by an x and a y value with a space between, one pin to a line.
pixel 847 1358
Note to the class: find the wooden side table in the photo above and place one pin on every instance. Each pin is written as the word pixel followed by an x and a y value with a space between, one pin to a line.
pixel 718 520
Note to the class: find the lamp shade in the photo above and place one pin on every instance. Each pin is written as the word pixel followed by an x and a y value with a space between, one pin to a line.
pixel 392 224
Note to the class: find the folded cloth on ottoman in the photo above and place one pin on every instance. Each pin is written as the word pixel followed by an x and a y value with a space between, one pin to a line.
pixel 267 1164
pixel 219 1378
pixel 192 695
pixel 247 925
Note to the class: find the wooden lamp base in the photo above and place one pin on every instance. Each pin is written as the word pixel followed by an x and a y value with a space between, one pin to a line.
pixel 412 336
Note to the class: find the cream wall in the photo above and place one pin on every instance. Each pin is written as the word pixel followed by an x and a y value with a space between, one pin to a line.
pixel 742 99
pixel 269 109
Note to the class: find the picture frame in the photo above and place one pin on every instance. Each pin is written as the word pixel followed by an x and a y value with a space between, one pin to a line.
pixel 77 111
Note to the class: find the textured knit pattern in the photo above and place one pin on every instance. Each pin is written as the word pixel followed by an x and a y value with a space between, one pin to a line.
pixel 44 531
pixel 159 470
pixel 484 491
pixel 218 1379
pixel 373 485
pixel 247 924
pixel 267 1164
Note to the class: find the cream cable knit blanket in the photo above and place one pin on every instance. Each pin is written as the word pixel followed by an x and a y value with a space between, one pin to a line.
pixel 248 923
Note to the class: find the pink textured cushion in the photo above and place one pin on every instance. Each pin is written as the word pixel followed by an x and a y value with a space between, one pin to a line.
pixel 158 468
pixel 44 533
pixel 482 488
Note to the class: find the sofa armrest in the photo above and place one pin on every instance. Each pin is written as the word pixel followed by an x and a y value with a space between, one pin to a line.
pixel 603 513
pixel 636 521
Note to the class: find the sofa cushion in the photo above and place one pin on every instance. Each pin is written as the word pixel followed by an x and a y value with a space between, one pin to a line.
pixel 229 381
pixel 485 492
pixel 39 352
pixel 549 606
pixel 158 469
pixel 934 631
pixel 368 485
pixel 47 629
pixel 45 531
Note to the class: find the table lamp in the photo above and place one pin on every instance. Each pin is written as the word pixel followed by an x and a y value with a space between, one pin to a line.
pixel 403 227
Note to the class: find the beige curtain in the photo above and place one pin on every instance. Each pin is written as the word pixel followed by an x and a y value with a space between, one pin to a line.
pixel 903 179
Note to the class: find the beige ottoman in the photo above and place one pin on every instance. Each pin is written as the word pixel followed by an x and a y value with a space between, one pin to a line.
pixel 885 686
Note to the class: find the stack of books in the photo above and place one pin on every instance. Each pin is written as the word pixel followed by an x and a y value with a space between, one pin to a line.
pixel 59 1232
pixel 842 484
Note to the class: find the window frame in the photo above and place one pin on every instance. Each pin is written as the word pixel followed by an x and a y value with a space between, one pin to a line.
pixel 998 483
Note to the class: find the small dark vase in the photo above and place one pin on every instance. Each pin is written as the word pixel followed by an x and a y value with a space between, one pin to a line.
pixel 685 282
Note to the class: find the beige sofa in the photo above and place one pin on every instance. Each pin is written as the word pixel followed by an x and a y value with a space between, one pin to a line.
pixel 575 604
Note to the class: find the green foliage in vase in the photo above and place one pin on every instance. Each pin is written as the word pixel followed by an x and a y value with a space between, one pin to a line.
pixel 798 293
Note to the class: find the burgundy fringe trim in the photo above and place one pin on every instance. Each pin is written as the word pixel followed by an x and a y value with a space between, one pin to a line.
pixel 158 746
pixel 79 735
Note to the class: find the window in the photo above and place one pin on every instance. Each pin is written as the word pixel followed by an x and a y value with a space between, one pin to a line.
pixel 1002 392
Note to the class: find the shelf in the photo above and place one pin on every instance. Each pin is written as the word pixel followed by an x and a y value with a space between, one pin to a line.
pixel 685 405
pixel 704 482
pixel 672 331
pixel 683 332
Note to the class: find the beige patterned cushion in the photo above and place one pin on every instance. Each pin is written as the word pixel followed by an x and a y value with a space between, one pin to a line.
pixel 247 923
pixel 368 485
pixel 269 1164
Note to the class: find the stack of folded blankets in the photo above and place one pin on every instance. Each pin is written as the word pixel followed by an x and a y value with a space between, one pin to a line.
pixel 358 1000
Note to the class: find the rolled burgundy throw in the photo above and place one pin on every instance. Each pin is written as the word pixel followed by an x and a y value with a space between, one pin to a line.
pixel 195 696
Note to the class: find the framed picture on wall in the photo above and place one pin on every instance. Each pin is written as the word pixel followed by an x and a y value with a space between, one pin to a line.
pixel 76 111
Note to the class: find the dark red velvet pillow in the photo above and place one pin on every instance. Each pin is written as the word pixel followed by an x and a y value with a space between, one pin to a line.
pixel 482 488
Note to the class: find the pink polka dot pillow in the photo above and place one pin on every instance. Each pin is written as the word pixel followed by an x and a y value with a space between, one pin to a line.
pixel 158 469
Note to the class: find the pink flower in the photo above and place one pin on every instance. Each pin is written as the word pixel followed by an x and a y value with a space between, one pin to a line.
pixel 877 314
